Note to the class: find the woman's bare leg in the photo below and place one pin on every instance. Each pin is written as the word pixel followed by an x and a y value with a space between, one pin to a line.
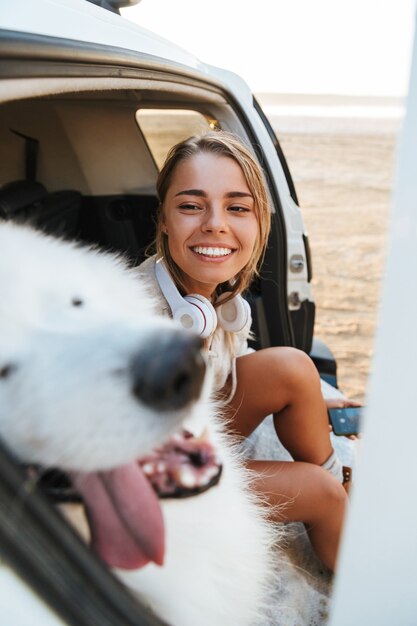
pixel 302 492
pixel 283 381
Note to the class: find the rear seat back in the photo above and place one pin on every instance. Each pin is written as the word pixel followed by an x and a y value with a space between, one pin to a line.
pixel 118 223
pixel 16 196
pixel 29 202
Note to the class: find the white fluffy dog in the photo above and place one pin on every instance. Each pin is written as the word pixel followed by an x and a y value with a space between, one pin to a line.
pixel 91 380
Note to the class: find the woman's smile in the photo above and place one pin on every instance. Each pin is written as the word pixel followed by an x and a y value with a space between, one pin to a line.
pixel 218 253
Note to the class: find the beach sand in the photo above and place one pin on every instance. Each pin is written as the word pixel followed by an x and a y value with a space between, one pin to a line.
pixel 344 185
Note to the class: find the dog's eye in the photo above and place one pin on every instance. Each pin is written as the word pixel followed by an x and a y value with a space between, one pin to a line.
pixel 77 302
pixel 7 369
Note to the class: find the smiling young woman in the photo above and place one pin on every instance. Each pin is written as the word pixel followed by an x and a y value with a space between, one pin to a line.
pixel 210 221
pixel 212 231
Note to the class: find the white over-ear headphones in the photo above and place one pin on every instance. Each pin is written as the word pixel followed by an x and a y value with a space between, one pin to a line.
pixel 196 313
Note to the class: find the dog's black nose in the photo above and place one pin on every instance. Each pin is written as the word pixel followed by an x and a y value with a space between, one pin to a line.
pixel 169 372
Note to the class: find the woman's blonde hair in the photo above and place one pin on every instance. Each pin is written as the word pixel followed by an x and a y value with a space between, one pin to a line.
pixel 227 145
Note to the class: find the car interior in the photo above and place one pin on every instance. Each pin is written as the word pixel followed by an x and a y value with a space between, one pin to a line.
pixel 84 165
pixel 80 169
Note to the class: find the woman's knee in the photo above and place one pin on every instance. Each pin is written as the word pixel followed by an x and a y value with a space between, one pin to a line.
pixel 296 366
pixel 330 495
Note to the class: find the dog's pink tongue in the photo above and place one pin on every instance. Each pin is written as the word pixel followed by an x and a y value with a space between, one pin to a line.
pixel 127 528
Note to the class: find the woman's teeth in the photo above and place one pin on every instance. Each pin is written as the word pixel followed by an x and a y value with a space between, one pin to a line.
pixel 212 251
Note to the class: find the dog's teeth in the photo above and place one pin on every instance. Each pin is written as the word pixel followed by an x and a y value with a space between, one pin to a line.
pixel 204 480
pixel 211 472
pixel 161 467
pixel 187 477
pixel 148 469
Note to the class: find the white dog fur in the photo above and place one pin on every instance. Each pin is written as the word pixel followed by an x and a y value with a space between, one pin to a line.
pixel 67 403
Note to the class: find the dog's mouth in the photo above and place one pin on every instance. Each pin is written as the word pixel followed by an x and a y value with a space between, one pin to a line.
pixel 184 466
pixel 122 507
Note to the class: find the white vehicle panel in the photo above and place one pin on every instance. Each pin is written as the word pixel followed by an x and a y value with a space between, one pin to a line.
pixel 83 21
pixel 377 575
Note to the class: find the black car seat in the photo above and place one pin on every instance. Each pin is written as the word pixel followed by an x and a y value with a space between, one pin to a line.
pixel 27 201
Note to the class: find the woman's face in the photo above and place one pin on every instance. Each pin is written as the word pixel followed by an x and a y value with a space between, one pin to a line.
pixel 210 221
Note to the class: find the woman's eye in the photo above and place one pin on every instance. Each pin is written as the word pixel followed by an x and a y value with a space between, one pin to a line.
pixel 189 207
pixel 239 209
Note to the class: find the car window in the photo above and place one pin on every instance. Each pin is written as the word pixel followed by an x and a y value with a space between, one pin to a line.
pixel 162 128
pixel 278 149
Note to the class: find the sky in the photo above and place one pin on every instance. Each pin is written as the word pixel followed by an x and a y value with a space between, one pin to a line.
pixel 348 47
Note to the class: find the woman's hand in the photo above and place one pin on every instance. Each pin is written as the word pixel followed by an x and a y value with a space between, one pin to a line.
pixel 340 403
